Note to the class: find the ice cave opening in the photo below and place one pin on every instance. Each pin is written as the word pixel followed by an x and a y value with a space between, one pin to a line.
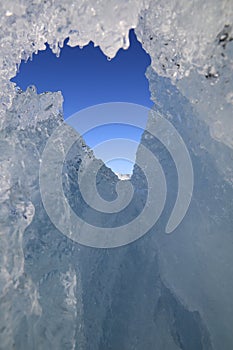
pixel 58 289
pixel 86 77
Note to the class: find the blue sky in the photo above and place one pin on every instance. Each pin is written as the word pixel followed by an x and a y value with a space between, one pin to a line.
pixel 86 78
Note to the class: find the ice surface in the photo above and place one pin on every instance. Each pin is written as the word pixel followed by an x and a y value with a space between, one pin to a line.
pixel 192 43
pixel 195 261
pixel 179 36
pixel 165 292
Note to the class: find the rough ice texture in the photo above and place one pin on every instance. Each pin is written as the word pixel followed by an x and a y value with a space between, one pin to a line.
pixel 180 37
pixel 27 25
pixel 160 292
pixel 192 44
pixel 170 292
pixel 19 173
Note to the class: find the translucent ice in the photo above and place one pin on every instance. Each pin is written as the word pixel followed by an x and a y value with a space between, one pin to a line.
pixel 180 37
pixel 165 292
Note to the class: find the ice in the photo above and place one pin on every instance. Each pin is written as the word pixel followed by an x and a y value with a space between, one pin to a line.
pixel 26 26
pixel 169 292
pixel 192 45
pixel 203 282
pixel 180 37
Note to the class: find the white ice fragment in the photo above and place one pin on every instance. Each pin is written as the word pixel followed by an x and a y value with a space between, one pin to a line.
pixel 9 13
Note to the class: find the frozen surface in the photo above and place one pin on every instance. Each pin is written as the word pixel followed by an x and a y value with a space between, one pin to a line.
pixel 169 292
pixel 172 291
pixel 192 43
pixel 180 37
